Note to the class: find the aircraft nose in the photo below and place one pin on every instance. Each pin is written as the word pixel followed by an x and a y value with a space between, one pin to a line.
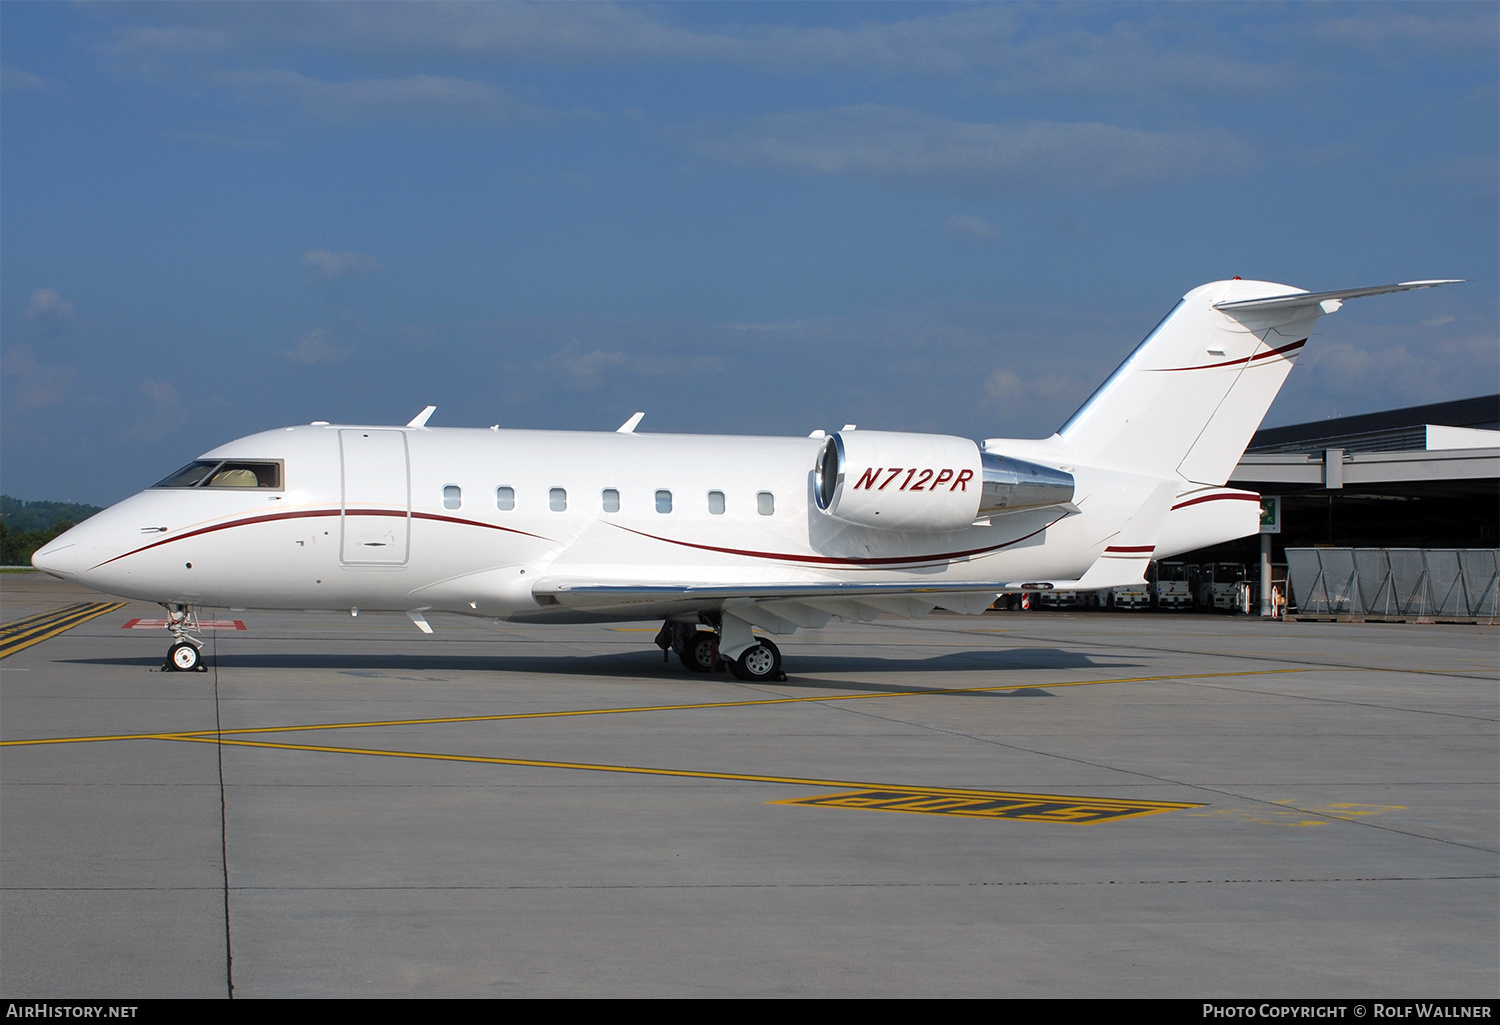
pixel 57 558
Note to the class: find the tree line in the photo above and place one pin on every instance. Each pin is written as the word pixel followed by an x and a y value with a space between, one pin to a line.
pixel 27 526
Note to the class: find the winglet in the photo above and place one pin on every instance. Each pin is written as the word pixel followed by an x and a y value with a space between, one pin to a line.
pixel 628 427
pixel 420 420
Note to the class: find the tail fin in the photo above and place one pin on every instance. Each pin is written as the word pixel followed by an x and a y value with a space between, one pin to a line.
pixel 1190 396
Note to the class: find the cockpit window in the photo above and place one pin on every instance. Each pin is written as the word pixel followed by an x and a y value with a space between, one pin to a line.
pixel 233 473
pixel 189 476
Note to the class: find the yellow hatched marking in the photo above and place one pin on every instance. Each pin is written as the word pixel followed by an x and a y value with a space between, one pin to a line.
pixel 1082 811
pixel 17 625
pixel 564 713
pixel 22 634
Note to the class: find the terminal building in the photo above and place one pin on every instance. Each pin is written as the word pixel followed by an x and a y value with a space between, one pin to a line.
pixel 1420 478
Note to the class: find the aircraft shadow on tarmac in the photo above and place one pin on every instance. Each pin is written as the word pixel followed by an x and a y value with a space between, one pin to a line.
pixel 648 663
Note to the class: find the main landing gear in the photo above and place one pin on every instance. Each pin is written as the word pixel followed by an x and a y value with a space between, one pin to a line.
pixel 698 650
pixel 186 653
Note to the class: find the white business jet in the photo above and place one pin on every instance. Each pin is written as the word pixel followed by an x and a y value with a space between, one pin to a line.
pixel 716 535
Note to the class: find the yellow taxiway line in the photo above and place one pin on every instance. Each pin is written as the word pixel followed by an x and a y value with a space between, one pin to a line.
pixel 1057 808
pixel 564 713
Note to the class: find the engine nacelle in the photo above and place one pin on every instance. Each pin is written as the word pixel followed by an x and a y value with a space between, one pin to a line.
pixel 927 482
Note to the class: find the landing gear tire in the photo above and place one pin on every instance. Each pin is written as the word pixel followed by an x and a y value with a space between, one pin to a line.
pixel 183 657
pixel 700 653
pixel 759 664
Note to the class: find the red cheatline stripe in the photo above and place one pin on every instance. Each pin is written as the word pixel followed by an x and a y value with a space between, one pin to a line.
pixel 824 560
pixel 1237 496
pixel 304 514
pixel 1131 548
pixel 1293 347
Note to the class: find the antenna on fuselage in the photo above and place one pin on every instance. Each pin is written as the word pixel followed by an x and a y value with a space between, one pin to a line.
pixel 628 427
pixel 420 420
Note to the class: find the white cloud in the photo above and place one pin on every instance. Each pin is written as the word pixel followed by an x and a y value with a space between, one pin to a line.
pixel 970 226
pixel 315 347
pixel 164 413
pixel 590 371
pixel 169 39
pixel 1008 386
pixel 47 306
pixel 1123 51
pixel 1391 365
pixel 583 371
pixel 1476 168
pixel 903 147
pixel 14 80
pixel 413 97
pixel 1189 51
pixel 1382 29
pixel 654 364
pixel 33 385
pixel 219 139
pixel 329 265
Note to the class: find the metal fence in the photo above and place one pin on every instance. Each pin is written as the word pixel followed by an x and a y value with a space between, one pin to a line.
pixel 1409 582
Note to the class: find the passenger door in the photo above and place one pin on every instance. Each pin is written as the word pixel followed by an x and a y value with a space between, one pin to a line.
pixel 376 507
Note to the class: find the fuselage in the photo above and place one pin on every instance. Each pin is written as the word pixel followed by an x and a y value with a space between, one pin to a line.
pixel 468 521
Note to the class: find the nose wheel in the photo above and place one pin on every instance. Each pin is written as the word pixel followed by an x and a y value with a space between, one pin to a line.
pixel 186 653
pixel 183 657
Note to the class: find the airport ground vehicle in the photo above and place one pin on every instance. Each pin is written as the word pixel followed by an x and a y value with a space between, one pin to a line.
pixel 1220 586
pixel 1133 596
pixel 1172 585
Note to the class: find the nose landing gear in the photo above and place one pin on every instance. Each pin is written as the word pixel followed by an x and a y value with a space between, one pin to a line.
pixel 186 653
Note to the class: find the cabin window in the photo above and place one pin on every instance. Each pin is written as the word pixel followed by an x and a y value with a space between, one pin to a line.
pixel 557 499
pixel 716 503
pixel 765 503
pixel 264 475
pixel 611 500
pixel 505 499
pixel 453 496
pixel 664 501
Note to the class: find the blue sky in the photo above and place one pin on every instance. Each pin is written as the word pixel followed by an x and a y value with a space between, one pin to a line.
pixel 764 218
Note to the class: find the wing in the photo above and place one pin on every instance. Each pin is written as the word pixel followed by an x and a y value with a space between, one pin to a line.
pixel 775 607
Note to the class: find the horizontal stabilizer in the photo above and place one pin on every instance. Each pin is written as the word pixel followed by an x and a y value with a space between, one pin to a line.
pixel 1299 299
